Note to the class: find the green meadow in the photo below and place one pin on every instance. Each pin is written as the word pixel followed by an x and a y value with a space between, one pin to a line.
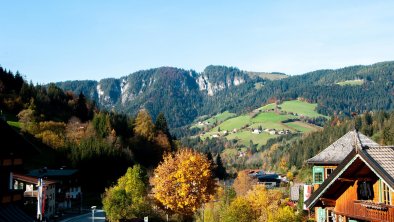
pixel 265 118
pixel 301 108
pixel 356 82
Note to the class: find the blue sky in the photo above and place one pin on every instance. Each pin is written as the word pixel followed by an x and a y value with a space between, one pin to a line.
pixel 67 40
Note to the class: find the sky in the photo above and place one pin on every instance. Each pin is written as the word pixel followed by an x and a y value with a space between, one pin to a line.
pixel 51 41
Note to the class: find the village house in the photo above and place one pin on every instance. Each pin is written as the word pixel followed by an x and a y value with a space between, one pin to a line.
pixel 353 180
pixel 272 131
pixel 256 131
pixel 270 180
pixel 29 186
pixel 68 188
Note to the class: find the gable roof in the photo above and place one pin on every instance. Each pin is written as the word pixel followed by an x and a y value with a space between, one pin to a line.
pixel 379 159
pixel 336 152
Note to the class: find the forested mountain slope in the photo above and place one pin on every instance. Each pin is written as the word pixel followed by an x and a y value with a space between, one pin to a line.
pixel 184 95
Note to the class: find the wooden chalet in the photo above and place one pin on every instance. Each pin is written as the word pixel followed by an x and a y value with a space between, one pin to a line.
pixel 361 185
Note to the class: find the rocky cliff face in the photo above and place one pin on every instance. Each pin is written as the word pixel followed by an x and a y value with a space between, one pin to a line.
pixel 119 92
pixel 164 89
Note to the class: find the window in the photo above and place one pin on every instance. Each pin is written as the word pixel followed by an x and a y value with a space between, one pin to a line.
pixel 385 194
pixel 20 187
pixel 318 174
pixel 318 177
pixel 328 172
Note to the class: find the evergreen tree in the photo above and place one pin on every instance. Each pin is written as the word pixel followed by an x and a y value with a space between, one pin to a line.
pixel 358 123
pixel 81 110
pixel 161 125
pixel 209 156
pixel 220 170
pixel 101 124
pixel 213 165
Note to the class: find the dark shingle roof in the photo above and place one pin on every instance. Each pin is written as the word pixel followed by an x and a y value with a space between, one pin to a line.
pixel 337 151
pixel 52 173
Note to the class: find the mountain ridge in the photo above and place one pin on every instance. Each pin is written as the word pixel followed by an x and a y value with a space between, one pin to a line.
pixel 183 95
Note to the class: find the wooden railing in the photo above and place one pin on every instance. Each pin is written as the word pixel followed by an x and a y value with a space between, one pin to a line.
pixel 367 210
pixel 374 211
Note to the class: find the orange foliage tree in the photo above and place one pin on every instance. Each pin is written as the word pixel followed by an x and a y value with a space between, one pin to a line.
pixel 183 182
pixel 243 183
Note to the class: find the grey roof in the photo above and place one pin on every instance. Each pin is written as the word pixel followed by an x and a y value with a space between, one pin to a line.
pixel 52 173
pixel 383 158
pixel 337 151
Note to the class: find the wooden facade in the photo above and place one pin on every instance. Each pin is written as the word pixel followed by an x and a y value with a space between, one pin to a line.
pixel 349 206
pixel 361 188
pixel 7 194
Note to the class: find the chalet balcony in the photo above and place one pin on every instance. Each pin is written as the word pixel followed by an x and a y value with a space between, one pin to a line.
pixel 33 193
pixel 367 210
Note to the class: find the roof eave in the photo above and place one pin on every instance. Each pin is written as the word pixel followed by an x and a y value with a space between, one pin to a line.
pixel 376 167
pixel 331 179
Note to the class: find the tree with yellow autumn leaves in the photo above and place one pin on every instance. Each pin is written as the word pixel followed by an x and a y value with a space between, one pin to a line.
pixel 128 198
pixel 183 182
pixel 259 205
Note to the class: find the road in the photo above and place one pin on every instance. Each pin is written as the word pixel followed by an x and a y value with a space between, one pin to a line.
pixel 99 216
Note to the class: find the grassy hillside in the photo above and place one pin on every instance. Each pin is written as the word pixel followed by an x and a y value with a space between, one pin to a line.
pixel 301 108
pixel 220 117
pixel 273 122
pixel 356 82
pixel 267 75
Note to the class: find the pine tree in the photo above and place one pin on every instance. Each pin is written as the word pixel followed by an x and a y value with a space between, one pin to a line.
pixel 213 165
pixel 161 125
pixel 81 110
pixel 220 170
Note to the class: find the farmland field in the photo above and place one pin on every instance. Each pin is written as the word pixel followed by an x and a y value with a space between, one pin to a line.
pixel 220 117
pixel 234 123
pixel 271 117
pixel 301 126
pixel 301 108
pixel 356 82
pixel 246 136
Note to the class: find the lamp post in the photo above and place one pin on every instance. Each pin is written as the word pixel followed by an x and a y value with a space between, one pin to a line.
pixel 93 209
